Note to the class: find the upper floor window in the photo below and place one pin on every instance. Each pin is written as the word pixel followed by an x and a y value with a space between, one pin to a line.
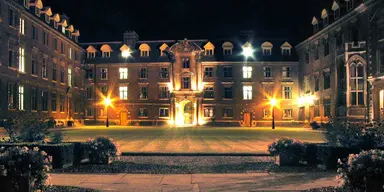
pixel 164 73
pixel 336 10
pixel 209 52
pixel 55 24
pixel 209 111
pixel 209 47
pixel 185 82
pixel 37 11
pixel 317 83
pixel 227 48
pixel 26 4
pixel 144 92
pixel 286 48
pixel 105 49
pixel 123 73
pixel 12 18
pixel 316 52
pixel 47 19
pixel 106 54
pixel 45 38
pixel 89 74
pixel 22 59
pixel 267 52
pixel 306 57
pixel 227 71
pixel 267 48
pixel 69 77
pixel 326 47
pixel 91 52
pixel 144 50
pixel 327 80
pixel 339 39
pixel 143 73
pixel 287 73
pixel 164 92
pixel 287 92
pixel 208 72
pixel 104 73
pixel 247 72
pixel 70 53
pixel 228 93
pixel 22 26
pixel 315 24
pixel 163 112
pixel 186 63
pixel 247 92
pixel 324 16
pixel 62 48
pixel 123 92
pixel 349 4
pixel 34 32
pixel 63 29
pixel 267 72
pixel 91 55
pixel 209 92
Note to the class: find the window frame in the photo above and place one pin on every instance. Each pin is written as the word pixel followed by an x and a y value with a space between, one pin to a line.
pixel 247 92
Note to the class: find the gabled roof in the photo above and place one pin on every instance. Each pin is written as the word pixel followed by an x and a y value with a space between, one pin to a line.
pixel 209 45
pixel 163 46
pixel 47 11
pixel 315 21
pixel 247 44
pixel 124 47
pixel 286 45
pixel 71 28
pixel 56 17
pixel 335 6
pixel 324 14
pixel 91 49
pixel 106 48
pixel 63 22
pixel 36 3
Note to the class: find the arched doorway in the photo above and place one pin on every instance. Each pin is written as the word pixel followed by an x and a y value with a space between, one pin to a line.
pixel 188 113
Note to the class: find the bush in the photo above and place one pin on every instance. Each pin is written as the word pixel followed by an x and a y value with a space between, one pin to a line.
pixel 286 145
pixel 102 148
pixel 57 137
pixel 345 134
pixel 364 171
pixel 328 155
pixel 80 153
pixel 27 163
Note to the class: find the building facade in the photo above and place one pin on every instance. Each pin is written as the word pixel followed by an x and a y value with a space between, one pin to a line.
pixel 191 82
pixel 40 62
pixel 341 64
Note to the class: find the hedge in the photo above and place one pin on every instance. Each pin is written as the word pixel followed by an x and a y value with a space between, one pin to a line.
pixel 62 154
pixel 80 153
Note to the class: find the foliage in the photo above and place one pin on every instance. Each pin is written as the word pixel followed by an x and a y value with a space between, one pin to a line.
pixel 345 134
pixel 102 148
pixel 57 137
pixel 363 171
pixel 26 127
pixel 25 162
pixel 286 145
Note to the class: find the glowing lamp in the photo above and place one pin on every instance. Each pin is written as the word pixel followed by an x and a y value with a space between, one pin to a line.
pixel 273 102
pixel 125 53
pixel 248 52
pixel 107 101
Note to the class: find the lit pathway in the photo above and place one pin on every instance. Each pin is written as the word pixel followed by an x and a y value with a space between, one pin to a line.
pixel 198 182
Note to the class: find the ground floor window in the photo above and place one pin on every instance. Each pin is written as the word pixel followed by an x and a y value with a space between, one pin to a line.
pixel 12 97
pixel 266 113
pixel 21 97
pixel 44 100
pixel 62 103
pixel 88 112
pixel 228 112
pixel 143 112
pixel 317 108
pixel 327 107
pixel 287 113
pixel 208 111
pixel 54 102
pixel 164 112
pixel 34 99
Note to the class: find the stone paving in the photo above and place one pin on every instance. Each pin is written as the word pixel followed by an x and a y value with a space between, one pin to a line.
pixel 198 182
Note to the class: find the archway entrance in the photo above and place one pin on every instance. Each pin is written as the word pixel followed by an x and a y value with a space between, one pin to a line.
pixel 185 113
pixel 188 113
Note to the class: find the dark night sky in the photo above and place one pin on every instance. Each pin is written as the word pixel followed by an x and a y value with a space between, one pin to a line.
pixel 106 20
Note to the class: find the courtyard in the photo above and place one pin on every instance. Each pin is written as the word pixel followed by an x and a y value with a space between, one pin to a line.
pixel 192 139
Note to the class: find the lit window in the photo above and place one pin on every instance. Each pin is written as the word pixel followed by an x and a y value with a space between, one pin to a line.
pixel 22 26
pixel 208 52
pixel 21 97
pixel 143 73
pixel 104 74
pixel 21 59
pixel 144 50
pixel 69 77
pixel 287 92
pixel 247 72
pixel 209 112
pixel 70 53
pixel 143 92
pixel 164 112
pixel 247 92
pixel 123 92
pixel 208 72
pixel 63 29
pixel 267 72
pixel 209 92
pixel 228 113
pixel 266 113
pixel 287 113
pixel 164 92
pixel 287 72
pixel 357 84
pixel 123 73
pixel 143 112
pixel 185 82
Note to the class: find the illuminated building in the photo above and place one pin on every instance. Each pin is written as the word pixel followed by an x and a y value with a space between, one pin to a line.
pixel 191 82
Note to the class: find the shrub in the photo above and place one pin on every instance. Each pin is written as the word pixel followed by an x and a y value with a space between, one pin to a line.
pixel 345 134
pixel 57 137
pixel 102 148
pixel 27 163
pixel 286 145
pixel 328 155
pixel 363 171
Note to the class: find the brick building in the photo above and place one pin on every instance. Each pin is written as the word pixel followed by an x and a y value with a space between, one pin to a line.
pixel 191 82
pixel 40 62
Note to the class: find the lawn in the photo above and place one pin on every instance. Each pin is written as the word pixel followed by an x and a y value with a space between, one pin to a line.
pixel 193 139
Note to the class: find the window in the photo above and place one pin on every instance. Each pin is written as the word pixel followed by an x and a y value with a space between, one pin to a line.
pixel 62 74
pixel 287 72
pixel 62 48
pixel 12 97
pixel 44 100
pixel 316 52
pixel 37 11
pixel 54 73
pixel 247 72
pixel 21 97
pixel 104 90
pixel 164 92
pixel 267 52
pixel 208 52
pixel 208 72
pixel 325 21
pixel 164 74
pixel 21 59
pixel 208 112
pixel 89 92
pixel 267 92
pixel 143 73
pixel 106 54
pixel 76 56
pixel 144 53
pixel 62 101
pixel 185 82
pixel 101 112
pixel 89 112
pixel 89 74
pixel 228 93
pixel 287 92
pixel 91 54
pixel 349 4
pixel 357 84
pixel 317 108
pixel 143 92
pixel 123 92
pixel 54 102
pixel 47 19
pixel 143 112
pixel 317 83
pixel 164 112
pixel 186 63
pixel 55 46
pixel 285 51
pixel 12 55
pixel 69 77
pixel 354 33
pixel 208 92
pixel 34 99
pixel 287 113
pixel 26 4
pixel 12 18
pixel 228 113
pixel 123 73
pixel 327 107
pixel 70 53
pixel 55 24
pixel 227 51
pixel 44 73
pixel 247 92
pixel 337 13
pixel 35 33
pixel 326 47
pixel 34 66
pixel 45 38
pixel 227 71
pixel 266 113
pixel 327 80
pixel 267 72
pixel 306 57
pixel 104 74
pixel 22 26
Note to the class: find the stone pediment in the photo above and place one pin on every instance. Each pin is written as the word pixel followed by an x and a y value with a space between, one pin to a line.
pixel 185 46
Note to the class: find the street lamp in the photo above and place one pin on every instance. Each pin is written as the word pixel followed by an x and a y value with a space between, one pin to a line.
pixel 273 103
pixel 107 102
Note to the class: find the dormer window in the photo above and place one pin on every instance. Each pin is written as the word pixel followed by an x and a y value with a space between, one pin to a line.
pixel 91 52
pixel 56 20
pixel 70 35
pixel 349 4
pixel 315 24
pixel 144 50
pixel 336 10
pixel 162 49
pixel 63 30
pixel 47 19
pixel 227 48
pixel 125 51
pixel 209 47
pixel 106 51
pixel 37 11
pixel 267 48
pixel 26 4
pixel 55 24
pixel 324 16
pixel 286 49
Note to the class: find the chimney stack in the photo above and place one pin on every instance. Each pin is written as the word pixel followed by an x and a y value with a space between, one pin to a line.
pixel 131 38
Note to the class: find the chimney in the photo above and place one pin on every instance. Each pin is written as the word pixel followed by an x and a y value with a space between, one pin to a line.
pixel 131 38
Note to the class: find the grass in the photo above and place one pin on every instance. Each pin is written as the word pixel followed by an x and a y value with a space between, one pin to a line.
pixel 193 139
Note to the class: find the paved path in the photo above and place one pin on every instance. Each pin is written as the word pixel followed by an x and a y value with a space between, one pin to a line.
pixel 198 182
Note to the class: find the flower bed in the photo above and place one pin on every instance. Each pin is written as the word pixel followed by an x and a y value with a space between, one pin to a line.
pixel 62 154
pixel 288 151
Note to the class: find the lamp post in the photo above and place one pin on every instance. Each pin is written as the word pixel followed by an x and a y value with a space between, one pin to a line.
pixel 107 102
pixel 273 103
